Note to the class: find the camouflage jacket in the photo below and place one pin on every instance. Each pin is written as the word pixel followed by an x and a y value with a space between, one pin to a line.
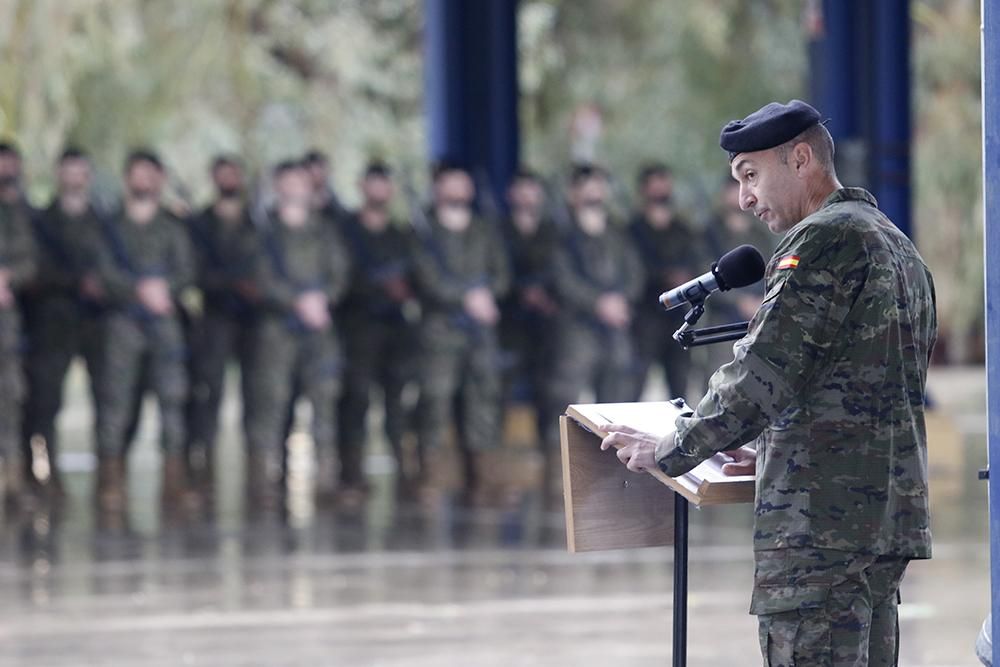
pixel 223 255
pixel 830 380
pixel 18 254
pixel 670 257
pixel 67 248
pixel 129 252
pixel 585 267
pixel 296 260
pixel 376 259
pixel 448 264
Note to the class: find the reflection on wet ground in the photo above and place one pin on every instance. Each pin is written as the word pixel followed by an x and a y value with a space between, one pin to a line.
pixel 392 584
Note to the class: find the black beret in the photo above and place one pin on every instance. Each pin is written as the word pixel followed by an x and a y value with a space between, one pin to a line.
pixel 769 126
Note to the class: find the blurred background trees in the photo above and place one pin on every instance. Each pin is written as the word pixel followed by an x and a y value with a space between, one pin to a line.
pixel 270 78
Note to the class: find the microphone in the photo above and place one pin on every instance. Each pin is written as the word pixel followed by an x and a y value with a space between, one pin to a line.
pixel 739 267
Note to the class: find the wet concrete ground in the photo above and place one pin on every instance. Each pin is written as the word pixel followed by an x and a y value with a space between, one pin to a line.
pixel 395 585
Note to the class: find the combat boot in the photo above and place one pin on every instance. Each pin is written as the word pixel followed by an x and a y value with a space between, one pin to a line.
pixel 263 481
pixel 111 496
pixel 175 494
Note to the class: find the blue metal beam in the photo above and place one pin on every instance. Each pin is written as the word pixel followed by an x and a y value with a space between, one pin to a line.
pixel 991 221
pixel 471 89
pixel 889 144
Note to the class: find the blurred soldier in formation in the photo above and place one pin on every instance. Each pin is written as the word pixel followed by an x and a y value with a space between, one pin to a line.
pixel 324 199
pixel 144 262
pixel 63 309
pixel 459 275
pixel 729 227
pixel 378 337
pixel 597 276
pixel 301 271
pixel 224 242
pixel 671 255
pixel 17 268
pixel 529 309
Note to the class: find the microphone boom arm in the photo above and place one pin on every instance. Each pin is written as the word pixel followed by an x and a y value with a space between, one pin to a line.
pixel 689 337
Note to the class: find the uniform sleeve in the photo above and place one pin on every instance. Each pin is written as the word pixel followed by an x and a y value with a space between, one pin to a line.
pixel 572 289
pixel 793 331
pixel 275 292
pixel 634 271
pixel 21 257
pixel 499 268
pixel 183 270
pixel 431 282
pixel 338 274
pixel 118 283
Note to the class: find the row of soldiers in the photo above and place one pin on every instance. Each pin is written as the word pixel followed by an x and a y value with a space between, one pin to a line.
pixel 324 304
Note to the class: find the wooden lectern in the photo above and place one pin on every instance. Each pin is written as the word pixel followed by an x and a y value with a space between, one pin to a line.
pixel 611 507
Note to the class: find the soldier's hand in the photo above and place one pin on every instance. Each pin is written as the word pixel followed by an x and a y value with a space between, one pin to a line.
pixel 744 462
pixel 91 287
pixel 636 449
pixel 398 290
pixel 612 309
pixel 313 309
pixel 481 306
pixel 154 295
pixel 536 298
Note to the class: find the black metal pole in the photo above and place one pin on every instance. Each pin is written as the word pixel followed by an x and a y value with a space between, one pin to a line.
pixel 680 579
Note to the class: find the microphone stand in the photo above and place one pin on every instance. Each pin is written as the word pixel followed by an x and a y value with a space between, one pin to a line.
pixel 689 337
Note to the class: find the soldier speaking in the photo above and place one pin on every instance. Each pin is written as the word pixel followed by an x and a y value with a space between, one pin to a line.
pixel 829 384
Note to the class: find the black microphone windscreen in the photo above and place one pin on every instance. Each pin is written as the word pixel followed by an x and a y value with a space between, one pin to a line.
pixel 740 267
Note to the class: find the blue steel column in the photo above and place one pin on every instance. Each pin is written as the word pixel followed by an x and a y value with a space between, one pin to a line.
pixel 890 136
pixel 471 89
pixel 991 220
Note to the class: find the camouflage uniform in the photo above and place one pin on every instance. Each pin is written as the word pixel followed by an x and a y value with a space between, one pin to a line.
pixel 665 253
pixel 378 340
pixel 525 332
pixel 141 348
pixel 460 357
pixel 17 255
pixel 224 253
pixel 61 322
pixel 589 354
pixel 830 380
pixel 285 353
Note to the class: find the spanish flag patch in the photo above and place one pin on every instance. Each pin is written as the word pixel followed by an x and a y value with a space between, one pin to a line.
pixel 788 262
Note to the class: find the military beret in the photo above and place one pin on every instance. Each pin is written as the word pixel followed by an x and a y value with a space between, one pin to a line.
pixel 769 126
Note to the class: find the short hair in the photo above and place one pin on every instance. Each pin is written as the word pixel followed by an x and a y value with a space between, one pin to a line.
pixel 315 156
pixel 819 139
pixel 226 160
pixel 447 166
pixel 584 171
pixel 377 169
pixel 139 155
pixel 651 170
pixel 73 153
pixel 526 174
pixel 286 166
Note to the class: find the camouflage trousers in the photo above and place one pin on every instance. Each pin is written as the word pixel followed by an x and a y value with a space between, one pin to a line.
pixel 283 360
pixel 12 387
pixel 377 354
pixel 141 353
pixel 827 608
pixel 587 358
pixel 58 331
pixel 459 382
pixel 214 340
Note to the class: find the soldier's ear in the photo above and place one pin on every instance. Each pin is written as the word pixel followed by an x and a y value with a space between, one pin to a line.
pixel 802 156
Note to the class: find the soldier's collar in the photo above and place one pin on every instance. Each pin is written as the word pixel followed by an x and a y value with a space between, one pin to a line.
pixel 850 194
